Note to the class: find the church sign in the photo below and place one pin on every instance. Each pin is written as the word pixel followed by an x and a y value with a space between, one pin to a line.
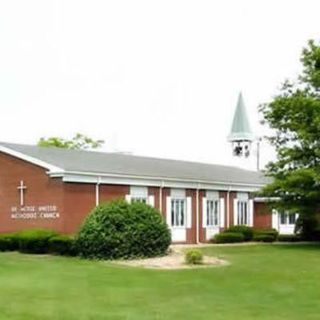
pixel 32 212
pixel 35 212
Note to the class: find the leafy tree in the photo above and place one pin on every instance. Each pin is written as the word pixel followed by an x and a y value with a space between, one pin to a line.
pixel 294 116
pixel 79 141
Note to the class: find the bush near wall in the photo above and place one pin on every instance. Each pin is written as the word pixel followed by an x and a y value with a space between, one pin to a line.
pixel 121 230
pixel 9 242
pixel 245 230
pixel 272 233
pixel 289 238
pixel 263 238
pixel 34 241
pixel 228 237
pixel 62 245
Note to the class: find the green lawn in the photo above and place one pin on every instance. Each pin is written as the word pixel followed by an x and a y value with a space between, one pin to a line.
pixel 262 282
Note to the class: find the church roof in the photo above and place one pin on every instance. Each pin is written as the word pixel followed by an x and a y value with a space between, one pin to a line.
pixel 240 129
pixel 102 163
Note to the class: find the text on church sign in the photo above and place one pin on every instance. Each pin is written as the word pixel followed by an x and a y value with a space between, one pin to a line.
pixel 35 212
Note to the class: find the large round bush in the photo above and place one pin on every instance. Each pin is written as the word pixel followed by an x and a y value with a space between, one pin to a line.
pixel 122 230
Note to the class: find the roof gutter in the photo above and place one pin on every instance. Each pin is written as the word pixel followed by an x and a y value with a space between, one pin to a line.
pixel 63 173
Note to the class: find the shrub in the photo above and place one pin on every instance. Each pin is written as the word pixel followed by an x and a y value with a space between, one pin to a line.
pixel 228 237
pixel 263 237
pixel 8 242
pixel 245 230
pixel 289 238
pixel 62 245
pixel 193 256
pixel 122 230
pixel 270 232
pixel 34 241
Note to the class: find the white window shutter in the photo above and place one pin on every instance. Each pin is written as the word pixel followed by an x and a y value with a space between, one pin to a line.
pixel 251 207
pixel 221 212
pixel 128 198
pixel 189 212
pixel 151 200
pixel 235 212
pixel 168 211
pixel 204 212
pixel 275 219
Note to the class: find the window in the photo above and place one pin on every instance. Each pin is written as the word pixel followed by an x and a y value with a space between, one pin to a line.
pixel 212 213
pixel 178 212
pixel 286 218
pixel 139 199
pixel 242 212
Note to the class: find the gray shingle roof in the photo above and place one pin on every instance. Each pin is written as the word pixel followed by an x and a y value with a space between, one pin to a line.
pixel 115 163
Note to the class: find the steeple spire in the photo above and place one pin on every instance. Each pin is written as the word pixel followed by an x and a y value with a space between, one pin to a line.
pixel 240 129
pixel 241 135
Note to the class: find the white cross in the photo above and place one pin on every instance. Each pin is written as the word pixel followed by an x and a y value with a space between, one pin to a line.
pixel 21 188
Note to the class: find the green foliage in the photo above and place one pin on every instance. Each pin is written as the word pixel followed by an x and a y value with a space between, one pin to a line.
pixel 289 238
pixel 79 141
pixel 228 237
pixel 294 117
pixel 193 256
pixel 122 230
pixel 307 226
pixel 269 232
pixel 8 242
pixel 245 230
pixel 262 237
pixel 62 245
pixel 34 241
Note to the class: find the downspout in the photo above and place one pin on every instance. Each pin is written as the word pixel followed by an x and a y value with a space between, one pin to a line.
pixel 160 197
pixel 228 207
pixel 197 215
pixel 98 191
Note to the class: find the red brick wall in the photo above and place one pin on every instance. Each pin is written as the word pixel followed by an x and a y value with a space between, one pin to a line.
pixel 202 231
pixel 41 190
pixel 191 232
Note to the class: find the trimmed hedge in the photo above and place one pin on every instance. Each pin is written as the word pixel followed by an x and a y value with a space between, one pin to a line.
pixel 263 237
pixel 289 238
pixel 62 245
pixel 34 241
pixel 228 237
pixel 9 242
pixel 245 230
pixel 193 256
pixel 121 230
pixel 269 232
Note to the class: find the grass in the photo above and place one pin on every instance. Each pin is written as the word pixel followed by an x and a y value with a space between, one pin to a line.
pixel 262 282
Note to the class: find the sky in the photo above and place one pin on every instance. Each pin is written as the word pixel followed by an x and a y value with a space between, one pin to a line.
pixel 153 78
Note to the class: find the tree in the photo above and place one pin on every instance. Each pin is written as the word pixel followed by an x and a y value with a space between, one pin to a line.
pixel 79 141
pixel 294 116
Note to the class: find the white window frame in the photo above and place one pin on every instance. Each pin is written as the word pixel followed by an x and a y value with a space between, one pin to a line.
pixel 139 199
pixel 286 219
pixel 213 213
pixel 180 204
pixel 243 212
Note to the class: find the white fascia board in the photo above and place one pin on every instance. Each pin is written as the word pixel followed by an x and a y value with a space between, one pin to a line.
pixel 30 159
pixel 79 177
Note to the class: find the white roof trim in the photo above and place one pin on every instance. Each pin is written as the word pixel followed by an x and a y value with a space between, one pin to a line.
pixel 29 159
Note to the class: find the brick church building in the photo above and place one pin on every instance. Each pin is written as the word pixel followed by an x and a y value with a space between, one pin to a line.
pixel 56 189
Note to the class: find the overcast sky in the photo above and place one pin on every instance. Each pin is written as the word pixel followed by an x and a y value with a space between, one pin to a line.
pixel 155 78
